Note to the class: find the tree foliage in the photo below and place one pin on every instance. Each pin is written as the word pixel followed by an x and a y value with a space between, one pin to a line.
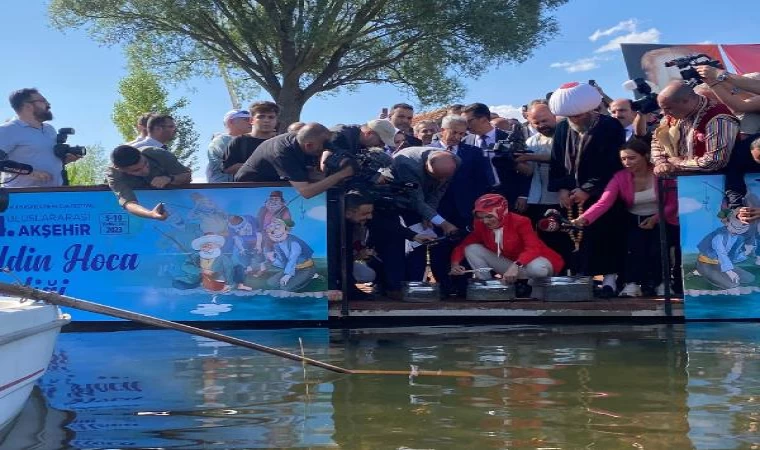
pixel 91 169
pixel 141 92
pixel 295 49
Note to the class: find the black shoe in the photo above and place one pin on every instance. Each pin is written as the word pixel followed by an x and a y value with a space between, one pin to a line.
pixel 358 295
pixel 523 289
pixel 606 292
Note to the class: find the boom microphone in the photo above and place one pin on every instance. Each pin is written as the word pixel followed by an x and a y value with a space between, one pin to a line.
pixel 17 168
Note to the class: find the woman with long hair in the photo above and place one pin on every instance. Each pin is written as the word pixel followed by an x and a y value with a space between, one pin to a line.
pixel 636 187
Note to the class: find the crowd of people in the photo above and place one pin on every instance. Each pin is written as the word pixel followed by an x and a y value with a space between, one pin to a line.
pixel 468 192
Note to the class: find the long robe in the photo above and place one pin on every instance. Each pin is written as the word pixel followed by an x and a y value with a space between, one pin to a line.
pixel 590 168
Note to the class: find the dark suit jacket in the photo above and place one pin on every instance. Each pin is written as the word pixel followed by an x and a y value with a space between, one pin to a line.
pixel 468 183
pixel 513 184
pixel 412 141
pixel 598 162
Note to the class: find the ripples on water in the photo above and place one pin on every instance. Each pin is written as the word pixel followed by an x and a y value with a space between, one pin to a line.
pixel 537 387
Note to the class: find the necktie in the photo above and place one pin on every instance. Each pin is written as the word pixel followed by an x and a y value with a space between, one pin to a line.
pixel 484 142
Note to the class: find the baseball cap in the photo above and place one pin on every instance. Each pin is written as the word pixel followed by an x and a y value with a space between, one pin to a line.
pixel 236 114
pixel 384 129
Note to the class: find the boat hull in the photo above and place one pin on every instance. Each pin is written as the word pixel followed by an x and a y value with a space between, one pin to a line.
pixel 27 340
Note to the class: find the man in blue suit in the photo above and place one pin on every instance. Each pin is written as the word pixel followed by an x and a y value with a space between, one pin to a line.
pixel 471 180
pixel 513 185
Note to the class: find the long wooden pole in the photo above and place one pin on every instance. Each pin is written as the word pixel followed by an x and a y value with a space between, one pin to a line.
pixel 16 290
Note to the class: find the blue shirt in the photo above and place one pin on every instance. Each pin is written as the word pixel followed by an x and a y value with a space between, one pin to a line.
pixel 25 144
pixel 216 149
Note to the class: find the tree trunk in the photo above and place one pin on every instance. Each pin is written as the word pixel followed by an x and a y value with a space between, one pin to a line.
pixel 291 104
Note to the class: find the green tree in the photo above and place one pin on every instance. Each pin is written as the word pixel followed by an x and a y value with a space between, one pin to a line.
pixel 91 169
pixel 296 49
pixel 141 92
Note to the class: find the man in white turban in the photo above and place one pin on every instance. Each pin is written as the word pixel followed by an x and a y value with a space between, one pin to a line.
pixel 585 156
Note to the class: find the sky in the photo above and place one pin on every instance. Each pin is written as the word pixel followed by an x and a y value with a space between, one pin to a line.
pixel 80 77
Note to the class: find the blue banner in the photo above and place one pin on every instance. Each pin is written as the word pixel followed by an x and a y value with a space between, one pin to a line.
pixel 721 258
pixel 237 253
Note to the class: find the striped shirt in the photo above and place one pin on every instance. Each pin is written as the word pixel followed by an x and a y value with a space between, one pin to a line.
pixel 719 139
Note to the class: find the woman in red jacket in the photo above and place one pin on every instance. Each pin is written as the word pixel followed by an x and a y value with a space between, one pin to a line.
pixel 506 243
pixel 636 187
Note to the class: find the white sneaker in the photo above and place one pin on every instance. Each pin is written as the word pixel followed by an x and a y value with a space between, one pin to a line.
pixel 660 290
pixel 630 290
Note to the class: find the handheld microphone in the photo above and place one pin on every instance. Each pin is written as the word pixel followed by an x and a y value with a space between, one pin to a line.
pixel 554 221
pixel 17 168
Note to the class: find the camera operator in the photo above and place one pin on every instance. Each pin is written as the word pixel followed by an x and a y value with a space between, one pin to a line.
pixel 29 140
pixel 377 240
pixel 150 167
pixel 745 105
pixel 288 156
pixel 353 138
pixel 749 84
pixel 695 135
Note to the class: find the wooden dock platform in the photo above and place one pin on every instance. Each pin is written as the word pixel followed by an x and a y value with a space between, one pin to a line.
pixel 622 308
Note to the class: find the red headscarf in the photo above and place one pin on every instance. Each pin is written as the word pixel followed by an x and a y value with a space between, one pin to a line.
pixel 493 204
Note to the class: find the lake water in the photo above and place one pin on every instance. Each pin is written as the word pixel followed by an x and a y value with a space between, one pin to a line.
pixel 534 387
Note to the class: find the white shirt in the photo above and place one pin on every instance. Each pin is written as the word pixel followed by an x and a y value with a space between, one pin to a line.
pixel 628 132
pixel 539 184
pixel 148 142
pixel 490 141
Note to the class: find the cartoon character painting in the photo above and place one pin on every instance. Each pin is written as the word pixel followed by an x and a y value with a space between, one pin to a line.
pixel 209 268
pixel 723 249
pixel 246 240
pixel 290 257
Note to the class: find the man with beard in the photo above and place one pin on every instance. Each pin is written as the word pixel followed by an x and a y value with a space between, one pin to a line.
pixel 536 164
pixel 208 268
pixel 401 118
pixel 27 139
pixel 584 159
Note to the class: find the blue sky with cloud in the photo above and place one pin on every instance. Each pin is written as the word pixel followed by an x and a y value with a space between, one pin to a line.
pixel 80 78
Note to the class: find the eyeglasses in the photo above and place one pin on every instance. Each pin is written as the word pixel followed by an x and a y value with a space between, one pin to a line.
pixel 38 100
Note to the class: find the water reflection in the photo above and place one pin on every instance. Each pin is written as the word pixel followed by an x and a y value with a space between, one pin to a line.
pixel 535 387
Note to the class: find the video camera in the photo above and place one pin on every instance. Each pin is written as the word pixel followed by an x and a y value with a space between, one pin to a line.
pixel 648 102
pixel 372 176
pixel 687 66
pixel 505 150
pixel 61 148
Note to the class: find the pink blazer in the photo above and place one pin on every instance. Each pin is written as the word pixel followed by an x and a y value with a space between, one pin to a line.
pixel 621 187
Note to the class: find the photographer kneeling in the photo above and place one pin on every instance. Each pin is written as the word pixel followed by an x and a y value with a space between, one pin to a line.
pixel 506 243
pixel 151 167
pixel 377 242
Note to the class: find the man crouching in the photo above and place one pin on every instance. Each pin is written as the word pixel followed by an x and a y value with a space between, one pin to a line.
pixel 506 243
pixel 152 167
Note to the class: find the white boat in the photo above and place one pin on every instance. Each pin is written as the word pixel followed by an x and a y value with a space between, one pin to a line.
pixel 28 331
